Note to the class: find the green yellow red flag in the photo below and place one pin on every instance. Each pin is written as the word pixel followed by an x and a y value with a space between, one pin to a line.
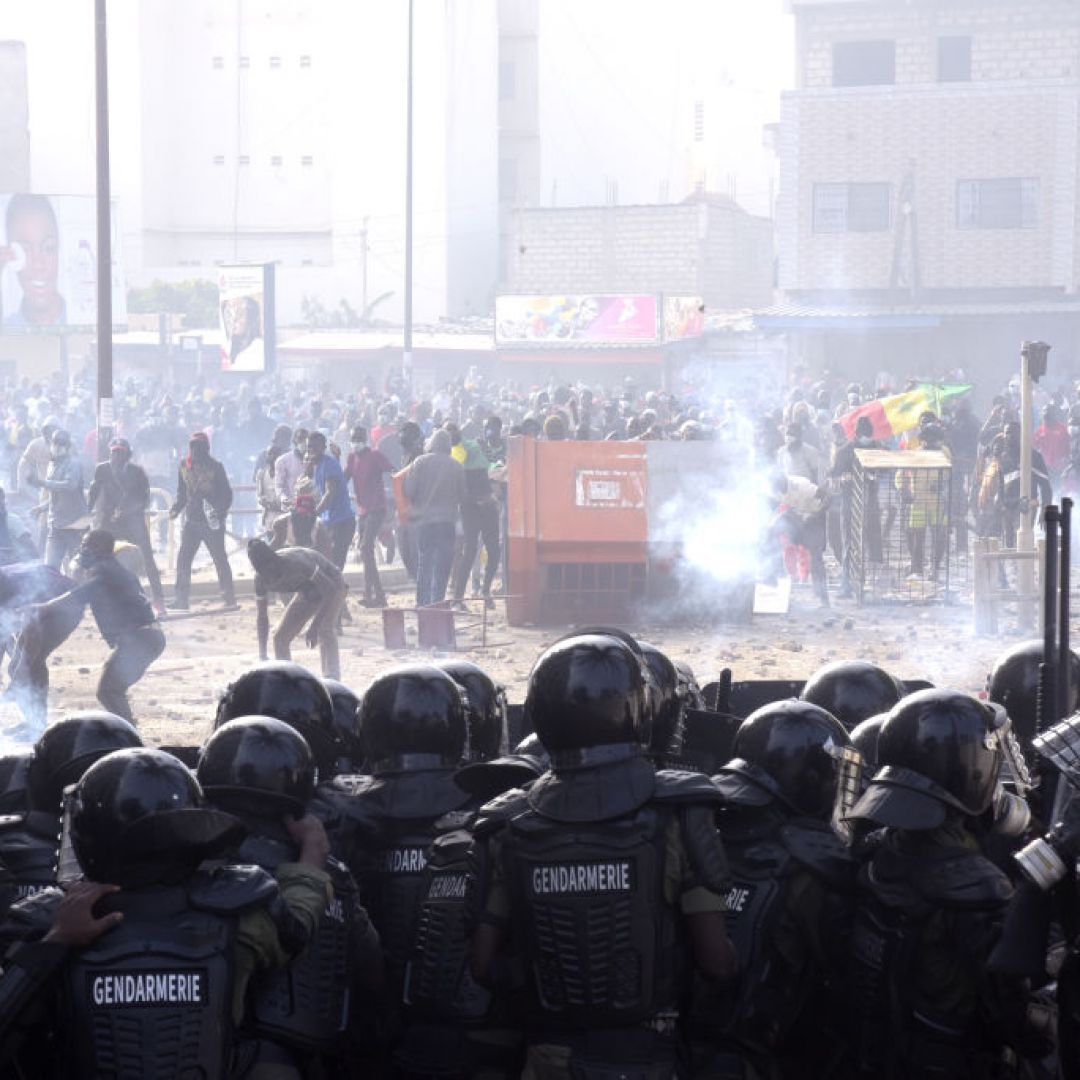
pixel 898 413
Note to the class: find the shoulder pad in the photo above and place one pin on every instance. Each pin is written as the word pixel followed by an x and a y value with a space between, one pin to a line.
pixel 492 816
pixel 229 890
pixel 967 880
pixel 11 821
pixel 30 918
pixel 815 847
pixel 450 847
pixel 455 820
pixel 679 786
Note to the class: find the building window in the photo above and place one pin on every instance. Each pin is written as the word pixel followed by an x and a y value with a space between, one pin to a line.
pixel 997 204
pixel 275 161
pixel 305 61
pixel 243 159
pixel 307 159
pixel 275 61
pixel 954 59
pixel 219 159
pixel 851 207
pixel 217 62
pixel 507 80
pixel 864 63
pixel 245 61
pixel 699 121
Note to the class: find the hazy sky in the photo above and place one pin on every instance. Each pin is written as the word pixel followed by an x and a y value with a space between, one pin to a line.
pixel 617 76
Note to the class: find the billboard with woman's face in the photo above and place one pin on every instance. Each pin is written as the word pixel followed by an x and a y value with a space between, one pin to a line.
pixel 48 265
pixel 246 303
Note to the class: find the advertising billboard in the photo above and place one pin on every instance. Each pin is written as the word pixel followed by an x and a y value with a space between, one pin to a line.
pixel 562 320
pixel 246 306
pixel 48 265
pixel 684 317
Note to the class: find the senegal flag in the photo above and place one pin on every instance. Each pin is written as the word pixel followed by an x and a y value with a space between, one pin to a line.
pixel 899 413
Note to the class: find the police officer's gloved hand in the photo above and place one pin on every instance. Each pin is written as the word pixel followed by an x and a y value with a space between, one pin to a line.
pixel 74 924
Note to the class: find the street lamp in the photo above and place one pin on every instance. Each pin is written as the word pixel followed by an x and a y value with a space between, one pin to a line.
pixel 104 235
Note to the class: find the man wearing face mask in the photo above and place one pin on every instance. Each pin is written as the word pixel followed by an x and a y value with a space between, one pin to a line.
pixel 366 468
pixel 797 457
pixel 289 467
pixel 203 496
pixel 123 615
pixel 63 484
pixel 117 499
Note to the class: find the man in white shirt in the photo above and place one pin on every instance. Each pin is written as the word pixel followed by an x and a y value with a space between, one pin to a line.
pixel 800 514
pixel 289 467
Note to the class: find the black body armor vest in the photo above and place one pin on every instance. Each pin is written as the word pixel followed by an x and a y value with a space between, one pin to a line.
pixel 906 904
pixel 29 845
pixel 766 854
pixel 394 819
pixel 584 863
pixel 305 1005
pixel 152 998
pixel 438 982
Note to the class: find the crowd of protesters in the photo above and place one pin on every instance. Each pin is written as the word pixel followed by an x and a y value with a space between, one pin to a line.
pixel 311 466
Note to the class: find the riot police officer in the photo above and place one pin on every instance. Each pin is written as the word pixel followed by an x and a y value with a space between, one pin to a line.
pixel 791 898
pixel 346 716
pixel 1013 683
pixel 30 838
pixel 931 905
pixel 666 735
pixel 485 709
pixel 292 694
pixel 414 731
pixel 852 690
pixel 158 986
pixel 608 875
pixel 260 770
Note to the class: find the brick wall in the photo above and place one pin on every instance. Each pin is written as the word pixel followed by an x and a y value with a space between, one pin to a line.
pixel 1012 39
pixel 712 248
pixel 941 135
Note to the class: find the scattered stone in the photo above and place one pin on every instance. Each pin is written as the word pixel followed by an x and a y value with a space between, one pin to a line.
pixel 792 646
pixel 84 671
pixel 849 624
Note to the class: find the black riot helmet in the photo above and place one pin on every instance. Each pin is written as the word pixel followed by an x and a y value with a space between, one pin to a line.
pixel 585 692
pixel 852 690
pixel 485 709
pixel 786 751
pixel 413 718
pixel 69 747
pixel 259 766
pixel 666 735
pixel 292 694
pixel 690 693
pixel 939 751
pixel 346 726
pixel 1014 684
pixel 652 691
pixel 14 783
pixel 139 818
pixel 864 738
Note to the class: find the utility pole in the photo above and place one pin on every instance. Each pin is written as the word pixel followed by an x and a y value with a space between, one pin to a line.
pixel 1033 356
pixel 104 235
pixel 407 350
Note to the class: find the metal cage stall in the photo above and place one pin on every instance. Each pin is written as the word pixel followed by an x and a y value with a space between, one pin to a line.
pixel 899 526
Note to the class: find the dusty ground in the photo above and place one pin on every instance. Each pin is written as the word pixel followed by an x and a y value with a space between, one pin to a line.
pixel 174 702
